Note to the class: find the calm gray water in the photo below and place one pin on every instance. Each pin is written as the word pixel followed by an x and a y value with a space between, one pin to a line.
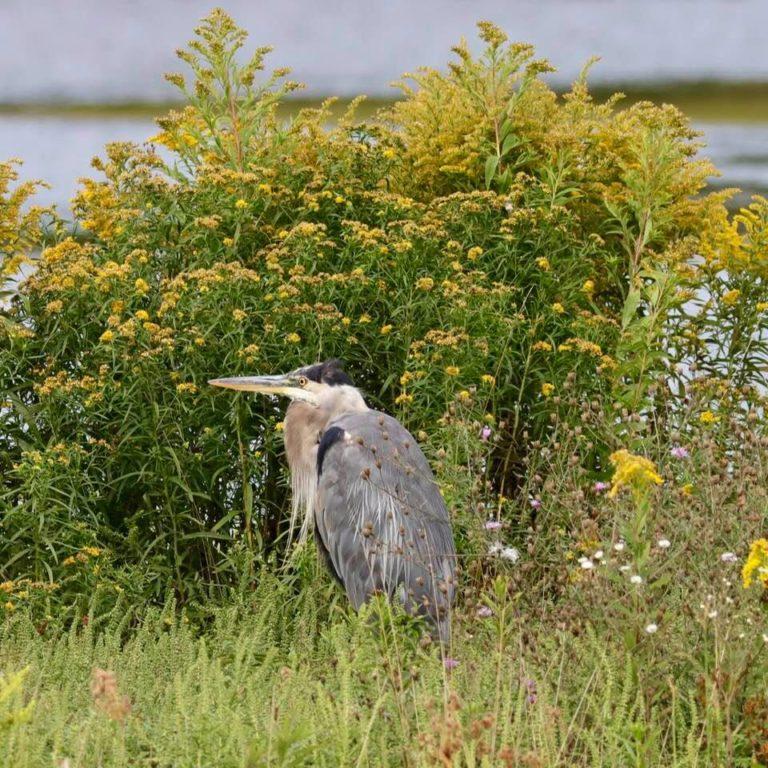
pixel 59 149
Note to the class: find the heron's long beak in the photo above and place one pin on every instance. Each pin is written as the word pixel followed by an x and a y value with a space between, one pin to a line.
pixel 267 385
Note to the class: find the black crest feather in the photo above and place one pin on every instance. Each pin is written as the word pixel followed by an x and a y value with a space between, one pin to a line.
pixel 330 372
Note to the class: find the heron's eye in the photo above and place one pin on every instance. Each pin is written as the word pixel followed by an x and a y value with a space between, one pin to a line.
pixel 302 381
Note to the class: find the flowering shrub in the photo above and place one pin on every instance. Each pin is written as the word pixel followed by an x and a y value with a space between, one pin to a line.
pixel 484 245
pixel 19 223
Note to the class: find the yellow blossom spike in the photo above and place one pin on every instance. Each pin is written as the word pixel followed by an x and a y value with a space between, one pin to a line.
pixel 631 471
pixel 756 565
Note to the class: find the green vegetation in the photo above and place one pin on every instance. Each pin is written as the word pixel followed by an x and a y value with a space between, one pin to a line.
pixel 538 285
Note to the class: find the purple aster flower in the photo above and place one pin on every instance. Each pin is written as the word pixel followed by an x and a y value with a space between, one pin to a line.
pixel 601 486
pixel 536 503
pixel 484 612
pixel 678 452
pixel 450 663
pixel 492 525
pixel 485 433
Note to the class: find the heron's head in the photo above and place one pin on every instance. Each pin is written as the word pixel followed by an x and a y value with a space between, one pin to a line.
pixel 311 384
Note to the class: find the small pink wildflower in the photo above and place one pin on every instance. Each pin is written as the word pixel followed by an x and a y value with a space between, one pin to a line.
pixel 492 525
pixel 536 503
pixel 601 486
pixel 678 452
pixel 484 612
pixel 485 433
pixel 450 663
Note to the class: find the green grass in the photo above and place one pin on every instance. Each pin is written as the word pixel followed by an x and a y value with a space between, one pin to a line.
pixel 343 695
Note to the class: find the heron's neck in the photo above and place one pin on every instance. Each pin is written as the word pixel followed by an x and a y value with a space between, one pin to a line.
pixel 304 426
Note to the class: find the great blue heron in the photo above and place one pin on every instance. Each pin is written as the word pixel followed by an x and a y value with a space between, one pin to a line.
pixel 359 475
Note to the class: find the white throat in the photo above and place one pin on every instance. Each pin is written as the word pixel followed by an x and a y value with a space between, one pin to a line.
pixel 304 426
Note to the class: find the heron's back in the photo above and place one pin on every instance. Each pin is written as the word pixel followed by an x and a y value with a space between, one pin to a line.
pixel 381 518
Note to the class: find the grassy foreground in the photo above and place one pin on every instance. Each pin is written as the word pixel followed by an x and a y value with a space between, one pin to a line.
pixel 637 646
pixel 339 697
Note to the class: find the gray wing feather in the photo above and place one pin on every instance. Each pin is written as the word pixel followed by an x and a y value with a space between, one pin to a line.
pixel 382 520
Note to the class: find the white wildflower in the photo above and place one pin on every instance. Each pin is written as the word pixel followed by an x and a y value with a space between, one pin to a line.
pixel 510 553
pixel 636 579
pixel 651 628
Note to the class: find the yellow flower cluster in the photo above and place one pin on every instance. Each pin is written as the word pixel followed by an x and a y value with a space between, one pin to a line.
pixel 425 283
pixel 581 345
pixel 98 209
pixel 61 383
pixel 451 338
pixel 738 244
pixel 631 471
pixel 54 307
pixel 756 566
pixel 358 232
pixel 249 353
pixel 85 554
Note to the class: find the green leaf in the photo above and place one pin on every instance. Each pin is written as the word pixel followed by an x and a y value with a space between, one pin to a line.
pixel 509 142
pixel 630 307
pixel 491 164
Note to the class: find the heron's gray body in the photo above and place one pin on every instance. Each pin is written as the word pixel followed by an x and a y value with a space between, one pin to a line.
pixel 381 520
pixel 361 478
